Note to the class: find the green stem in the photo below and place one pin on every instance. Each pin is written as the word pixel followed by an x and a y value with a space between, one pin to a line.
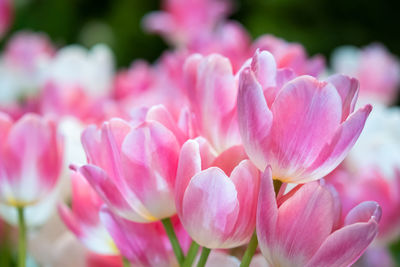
pixel 251 249
pixel 125 262
pixel 191 255
pixel 204 256
pixel 174 240
pixel 21 238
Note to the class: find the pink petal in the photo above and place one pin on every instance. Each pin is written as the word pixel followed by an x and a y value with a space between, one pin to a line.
pixel 149 162
pixel 336 150
pixel 139 243
pixel 230 158
pixel 304 221
pixel 246 178
pixel 346 245
pixel 348 90
pixel 189 164
pixel 107 190
pixel 363 212
pixel 264 68
pixel 306 114
pixel 254 118
pixel 267 213
pixel 210 208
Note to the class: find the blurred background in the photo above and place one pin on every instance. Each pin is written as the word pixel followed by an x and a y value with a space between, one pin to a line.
pixel 320 26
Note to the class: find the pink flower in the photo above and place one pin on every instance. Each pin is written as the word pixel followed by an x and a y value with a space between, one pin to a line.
pixel 30 159
pixel 290 55
pixel 83 217
pixel 302 127
pixel 6 14
pixel 26 51
pixel 377 70
pixel 142 244
pixel 212 91
pixel 133 169
pixel 100 260
pixel 216 206
pixel 302 227
pixel 183 20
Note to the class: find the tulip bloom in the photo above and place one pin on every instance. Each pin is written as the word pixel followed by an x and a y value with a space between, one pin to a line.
pixel 83 217
pixel 217 210
pixel 302 228
pixel 133 169
pixel 30 159
pixel 303 128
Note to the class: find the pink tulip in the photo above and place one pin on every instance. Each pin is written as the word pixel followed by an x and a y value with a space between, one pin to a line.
pixel 26 51
pixel 30 159
pixel 133 169
pixel 377 70
pixel 183 20
pixel 301 228
pixel 302 127
pixel 290 55
pixel 216 206
pixel 83 217
pixel 142 244
pixel 212 91
pixel 6 14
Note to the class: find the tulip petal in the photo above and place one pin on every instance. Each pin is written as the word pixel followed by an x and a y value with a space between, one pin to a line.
pixel 108 191
pixel 254 118
pixel 306 114
pixel 348 90
pixel 210 208
pixel 304 221
pixel 139 243
pixel 267 213
pixel 349 242
pixel 336 150
pixel 247 180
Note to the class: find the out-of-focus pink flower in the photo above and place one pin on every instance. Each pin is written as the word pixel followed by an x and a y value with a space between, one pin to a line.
pixel 30 159
pixel 376 256
pixel 301 228
pixel 216 206
pixel 290 55
pixel 134 81
pixel 142 244
pixel 100 260
pixel 377 70
pixel 21 68
pixel 302 128
pixel 133 169
pixel 83 217
pixel 6 15
pixel 370 184
pixel 229 39
pixel 27 51
pixel 212 90
pixel 183 20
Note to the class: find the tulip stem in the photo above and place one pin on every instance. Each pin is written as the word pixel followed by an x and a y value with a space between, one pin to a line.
pixel 21 238
pixel 125 262
pixel 204 256
pixel 191 255
pixel 174 240
pixel 251 249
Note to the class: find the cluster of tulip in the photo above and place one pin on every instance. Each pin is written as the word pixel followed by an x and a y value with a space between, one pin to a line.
pixel 223 144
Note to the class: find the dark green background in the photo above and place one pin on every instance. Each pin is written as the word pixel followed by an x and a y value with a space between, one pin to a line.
pixel 319 25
